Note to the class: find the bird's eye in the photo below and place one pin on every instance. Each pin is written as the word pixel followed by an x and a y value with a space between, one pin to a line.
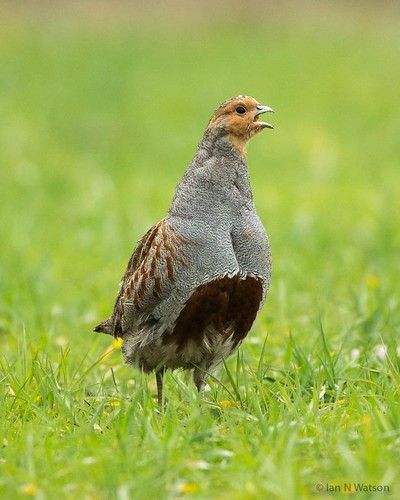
pixel 241 110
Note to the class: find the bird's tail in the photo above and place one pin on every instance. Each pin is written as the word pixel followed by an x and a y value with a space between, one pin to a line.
pixel 105 326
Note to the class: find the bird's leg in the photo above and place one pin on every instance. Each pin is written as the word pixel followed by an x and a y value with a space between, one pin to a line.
pixel 199 378
pixel 159 379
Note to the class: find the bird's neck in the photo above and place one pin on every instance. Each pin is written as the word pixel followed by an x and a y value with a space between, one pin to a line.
pixel 217 142
pixel 216 181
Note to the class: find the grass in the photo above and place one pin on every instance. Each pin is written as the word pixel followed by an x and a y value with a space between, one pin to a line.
pixel 97 127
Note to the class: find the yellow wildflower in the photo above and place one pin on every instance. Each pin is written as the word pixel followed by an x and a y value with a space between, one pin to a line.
pixel 366 421
pixel 372 282
pixel 117 343
pixel 29 489
pixel 227 403
pixel 188 488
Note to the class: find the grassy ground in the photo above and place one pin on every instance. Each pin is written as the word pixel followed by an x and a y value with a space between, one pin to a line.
pixel 97 125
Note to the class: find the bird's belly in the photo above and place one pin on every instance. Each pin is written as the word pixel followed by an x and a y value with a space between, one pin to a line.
pixel 213 322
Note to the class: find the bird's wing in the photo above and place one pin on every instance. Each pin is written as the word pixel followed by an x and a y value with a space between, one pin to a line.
pixel 149 276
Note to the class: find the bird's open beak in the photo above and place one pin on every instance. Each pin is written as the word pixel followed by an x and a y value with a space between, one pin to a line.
pixel 260 110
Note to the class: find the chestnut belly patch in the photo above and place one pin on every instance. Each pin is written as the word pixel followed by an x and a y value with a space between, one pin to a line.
pixel 226 306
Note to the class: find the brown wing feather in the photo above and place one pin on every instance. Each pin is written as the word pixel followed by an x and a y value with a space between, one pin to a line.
pixel 149 274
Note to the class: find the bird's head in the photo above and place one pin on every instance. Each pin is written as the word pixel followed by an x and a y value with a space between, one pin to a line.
pixel 238 119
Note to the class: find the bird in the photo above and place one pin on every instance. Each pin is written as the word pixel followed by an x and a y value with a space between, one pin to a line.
pixel 198 278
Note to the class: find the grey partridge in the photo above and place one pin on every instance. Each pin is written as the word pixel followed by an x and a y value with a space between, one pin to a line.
pixel 197 279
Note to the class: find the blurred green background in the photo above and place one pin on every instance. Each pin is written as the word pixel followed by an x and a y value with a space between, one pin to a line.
pixel 102 105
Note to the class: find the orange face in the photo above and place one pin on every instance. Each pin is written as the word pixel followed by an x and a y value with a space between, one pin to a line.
pixel 239 119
